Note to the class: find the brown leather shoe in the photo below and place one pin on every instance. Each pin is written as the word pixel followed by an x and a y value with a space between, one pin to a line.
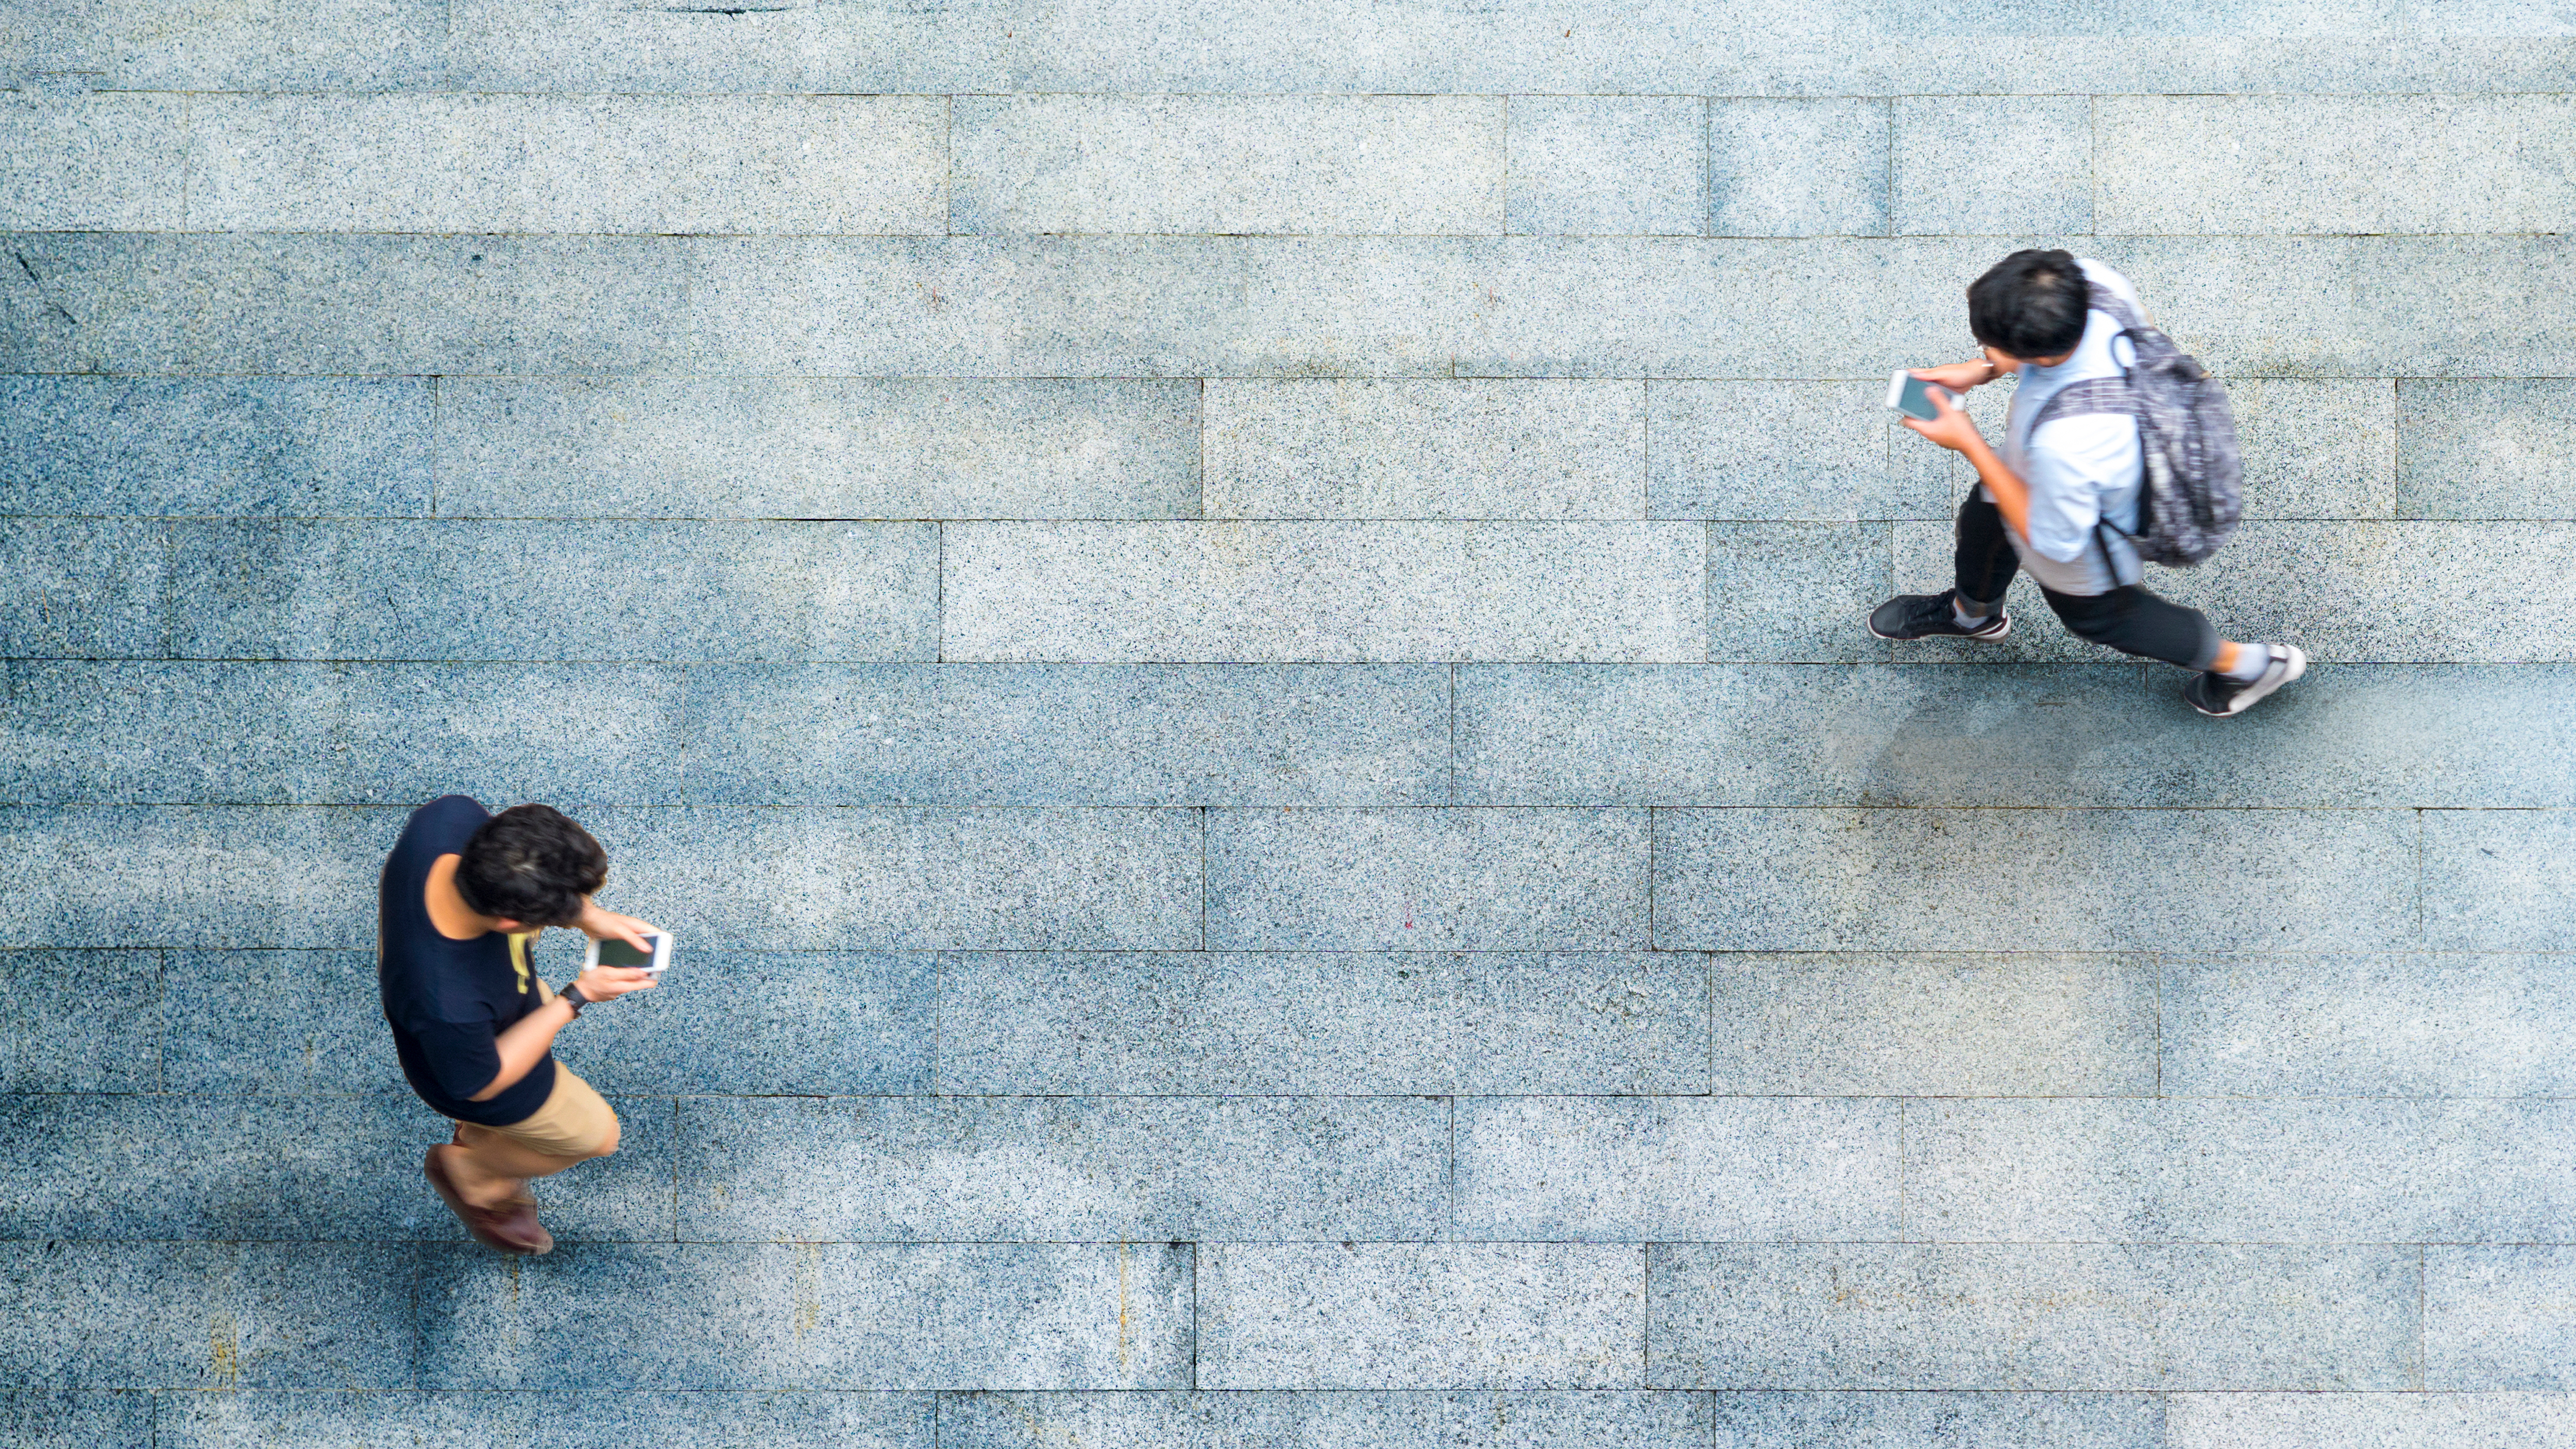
pixel 509 1228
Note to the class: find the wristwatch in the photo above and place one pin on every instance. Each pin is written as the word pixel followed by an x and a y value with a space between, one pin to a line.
pixel 571 996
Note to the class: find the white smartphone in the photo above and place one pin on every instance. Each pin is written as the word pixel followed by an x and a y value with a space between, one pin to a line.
pixel 618 953
pixel 1912 396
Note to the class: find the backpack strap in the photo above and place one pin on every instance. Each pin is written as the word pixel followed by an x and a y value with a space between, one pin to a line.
pixel 2102 299
pixel 2092 395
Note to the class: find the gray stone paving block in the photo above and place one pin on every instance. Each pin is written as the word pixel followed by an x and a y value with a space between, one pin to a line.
pixel 279 733
pixel 1934 1026
pixel 313 1169
pixel 1793 880
pixel 2498 1318
pixel 2307 164
pixel 93 162
pixel 1795 591
pixel 606 1418
pixel 1325 1022
pixel 1578 306
pixel 80 1021
pixel 573 735
pixel 1952 1420
pixel 1608 165
pixel 555 590
pixel 964 306
pixel 2356 590
pixel 2006 734
pixel 353 304
pixel 1798 166
pixel 2494 880
pixel 287 1420
pixel 276 1023
pixel 2039 1316
pixel 81 588
pixel 1629 1169
pixel 1421 1315
pixel 1991 165
pixel 1410 164
pixel 76 1420
pixel 519 163
pixel 178 45
pixel 1126 306
pixel 2356 306
pixel 820 448
pixel 1769 450
pixel 1252 1420
pixel 1322 592
pixel 820 1023
pixel 2370 1421
pixel 1229 306
pixel 1058 1169
pixel 2234 1171
pixel 2317 447
pixel 1466 449
pixel 137 732
pixel 192 876
pixel 2490 447
pixel 176 446
pixel 1567 734
pixel 994 880
pixel 1677 48
pixel 2406 1026
pixel 206 1315
pixel 575 1419
pixel 810 1315
pixel 590 45
pixel 1068 734
pixel 1426 879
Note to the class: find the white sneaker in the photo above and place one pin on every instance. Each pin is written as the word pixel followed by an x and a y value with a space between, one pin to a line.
pixel 2218 696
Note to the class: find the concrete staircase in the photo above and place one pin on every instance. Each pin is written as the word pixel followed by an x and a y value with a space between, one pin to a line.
pixel 1231 634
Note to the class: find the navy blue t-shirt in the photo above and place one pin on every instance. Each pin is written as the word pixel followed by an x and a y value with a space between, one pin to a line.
pixel 447 1000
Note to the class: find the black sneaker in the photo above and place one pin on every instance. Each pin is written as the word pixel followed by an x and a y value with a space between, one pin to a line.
pixel 2218 696
pixel 1927 616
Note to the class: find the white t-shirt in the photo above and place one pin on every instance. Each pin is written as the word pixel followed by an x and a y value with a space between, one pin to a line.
pixel 2079 469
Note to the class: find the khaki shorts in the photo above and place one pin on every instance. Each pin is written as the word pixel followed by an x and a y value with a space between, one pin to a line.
pixel 574 1122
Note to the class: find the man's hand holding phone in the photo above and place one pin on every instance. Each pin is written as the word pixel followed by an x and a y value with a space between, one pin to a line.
pixel 603 980
pixel 1950 426
pixel 606 983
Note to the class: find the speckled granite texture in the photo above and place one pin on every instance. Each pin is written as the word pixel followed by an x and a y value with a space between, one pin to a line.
pixel 1231 633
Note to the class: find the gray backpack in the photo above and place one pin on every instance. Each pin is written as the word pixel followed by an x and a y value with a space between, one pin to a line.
pixel 2192 491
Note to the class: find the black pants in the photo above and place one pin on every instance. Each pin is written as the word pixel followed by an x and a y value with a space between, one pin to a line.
pixel 2128 618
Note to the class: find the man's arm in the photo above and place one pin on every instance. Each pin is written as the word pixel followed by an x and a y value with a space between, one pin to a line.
pixel 525 1043
pixel 529 1038
pixel 1956 431
pixel 1960 376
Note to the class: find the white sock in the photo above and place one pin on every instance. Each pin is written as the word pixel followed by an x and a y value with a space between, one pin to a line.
pixel 1965 620
pixel 2251 661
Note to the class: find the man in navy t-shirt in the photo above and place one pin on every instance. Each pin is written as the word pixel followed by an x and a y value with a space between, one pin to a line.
pixel 461 901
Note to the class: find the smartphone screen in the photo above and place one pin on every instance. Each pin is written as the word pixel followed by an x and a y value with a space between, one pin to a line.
pixel 1911 396
pixel 614 952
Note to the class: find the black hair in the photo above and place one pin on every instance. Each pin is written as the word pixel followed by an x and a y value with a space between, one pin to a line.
pixel 2031 304
pixel 532 865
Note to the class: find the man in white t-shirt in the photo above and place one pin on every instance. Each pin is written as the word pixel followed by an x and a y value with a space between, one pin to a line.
pixel 2038 503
